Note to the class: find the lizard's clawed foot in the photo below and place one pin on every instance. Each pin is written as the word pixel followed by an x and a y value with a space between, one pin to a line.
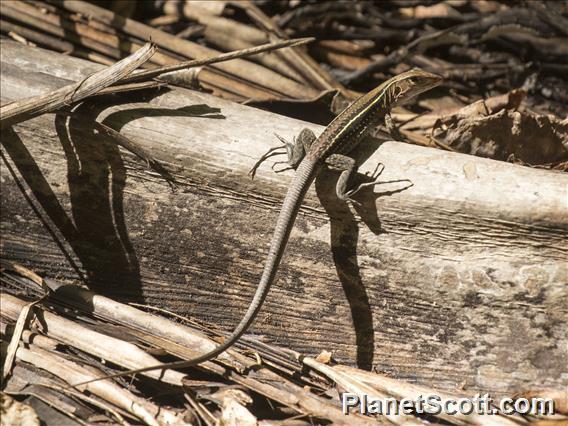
pixel 281 170
pixel 284 142
pixel 380 167
pixel 271 153
pixel 277 150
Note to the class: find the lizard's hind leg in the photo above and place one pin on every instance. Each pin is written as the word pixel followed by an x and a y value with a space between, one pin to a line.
pixel 346 165
pixel 295 151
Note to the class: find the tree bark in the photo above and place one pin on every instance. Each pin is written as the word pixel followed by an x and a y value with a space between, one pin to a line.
pixel 451 273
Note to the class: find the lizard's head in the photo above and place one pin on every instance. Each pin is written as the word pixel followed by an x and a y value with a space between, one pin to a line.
pixel 411 83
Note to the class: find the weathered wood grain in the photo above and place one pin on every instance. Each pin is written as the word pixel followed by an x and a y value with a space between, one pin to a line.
pixel 456 280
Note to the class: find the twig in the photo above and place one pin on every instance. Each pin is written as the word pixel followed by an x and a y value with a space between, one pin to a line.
pixel 25 109
pixel 100 345
pixel 16 337
pixel 88 399
pixel 352 385
pixel 144 75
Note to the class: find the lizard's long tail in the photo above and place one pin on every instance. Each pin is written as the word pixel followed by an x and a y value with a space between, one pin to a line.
pixel 305 174
pixel 303 178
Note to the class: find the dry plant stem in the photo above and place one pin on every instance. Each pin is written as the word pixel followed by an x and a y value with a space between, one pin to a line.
pixel 228 84
pixel 297 59
pixel 105 43
pixel 71 372
pixel 58 26
pixel 347 47
pixel 348 384
pixel 54 43
pixel 129 87
pixel 557 21
pixel 16 337
pixel 232 35
pixel 340 60
pixel 78 33
pixel 25 109
pixel 142 75
pixel 163 20
pixel 400 389
pixel 291 395
pixel 30 337
pixel 205 414
pixel 52 402
pixel 94 36
pixel 22 270
pixel 112 349
pixel 110 310
pixel 88 399
pixel 264 381
pixel 19 38
pixel 238 68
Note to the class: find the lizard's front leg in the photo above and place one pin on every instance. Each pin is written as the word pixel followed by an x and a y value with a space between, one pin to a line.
pixel 392 128
pixel 346 165
pixel 295 151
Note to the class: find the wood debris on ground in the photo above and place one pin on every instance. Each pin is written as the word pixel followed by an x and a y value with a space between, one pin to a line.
pixel 482 49
pixel 74 335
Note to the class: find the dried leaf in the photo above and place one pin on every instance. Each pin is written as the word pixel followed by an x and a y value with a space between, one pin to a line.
pixel 532 138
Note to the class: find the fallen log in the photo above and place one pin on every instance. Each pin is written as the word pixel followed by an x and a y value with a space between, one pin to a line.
pixel 452 273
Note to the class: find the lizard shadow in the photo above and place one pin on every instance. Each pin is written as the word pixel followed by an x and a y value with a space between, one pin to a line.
pixel 94 225
pixel 344 237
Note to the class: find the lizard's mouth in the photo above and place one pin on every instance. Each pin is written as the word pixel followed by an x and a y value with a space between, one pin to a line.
pixel 426 83
pixel 436 81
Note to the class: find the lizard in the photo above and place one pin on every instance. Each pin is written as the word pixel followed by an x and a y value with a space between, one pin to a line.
pixel 307 156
